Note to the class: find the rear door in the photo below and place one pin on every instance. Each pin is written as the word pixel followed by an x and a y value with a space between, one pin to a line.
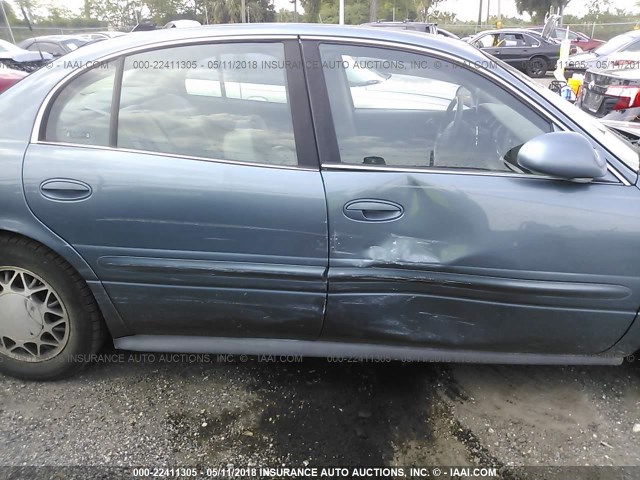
pixel 444 242
pixel 191 187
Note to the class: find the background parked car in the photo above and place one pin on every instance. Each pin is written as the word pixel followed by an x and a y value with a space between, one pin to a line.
pixel 101 35
pixel 17 58
pixel 599 58
pixel 56 45
pixel 182 24
pixel 431 28
pixel 521 48
pixel 579 40
pixel 446 33
pixel 629 130
pixel 611 94
pixel 412 26
pixel 9 76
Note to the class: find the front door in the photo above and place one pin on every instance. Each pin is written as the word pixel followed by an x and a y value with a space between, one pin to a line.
pixel 438 238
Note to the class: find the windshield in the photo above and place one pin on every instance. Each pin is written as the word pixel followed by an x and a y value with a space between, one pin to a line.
pixel 613 45
pixel 623 149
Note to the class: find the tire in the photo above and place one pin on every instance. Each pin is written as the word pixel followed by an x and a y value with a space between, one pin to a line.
pixel 537 67
pixel 50 323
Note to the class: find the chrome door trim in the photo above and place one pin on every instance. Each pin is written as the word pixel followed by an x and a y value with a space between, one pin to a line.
pixel 451 171
pixel 176 155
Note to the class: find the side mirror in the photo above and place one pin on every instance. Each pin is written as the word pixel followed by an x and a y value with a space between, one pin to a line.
pixel 565 155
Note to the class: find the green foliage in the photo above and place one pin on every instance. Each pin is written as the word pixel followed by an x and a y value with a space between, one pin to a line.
pixel 123 14
pixel 286 16
pixel 11 16
pixel 311 10
pixel 404 10
pixel 539 8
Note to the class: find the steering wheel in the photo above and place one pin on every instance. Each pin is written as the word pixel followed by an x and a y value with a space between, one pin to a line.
pixel 448 139
pixel 454 112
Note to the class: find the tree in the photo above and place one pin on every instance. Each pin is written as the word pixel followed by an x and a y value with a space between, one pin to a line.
pixel 10 19
pixel 598 6
pixel 117 13
pixel 285 16
pixel 311 10
pixel 260 11
pixel 396 9
pixel 538 9
pixel 424 7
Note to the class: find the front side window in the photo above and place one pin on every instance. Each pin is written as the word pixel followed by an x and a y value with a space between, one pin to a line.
pixel 487 41
pixel 222 101
pixel 420 111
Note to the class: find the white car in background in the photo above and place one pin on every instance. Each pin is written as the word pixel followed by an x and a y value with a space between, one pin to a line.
pixel 17 58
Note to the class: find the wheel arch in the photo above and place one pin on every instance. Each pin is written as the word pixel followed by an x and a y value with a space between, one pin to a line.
pixel 43 236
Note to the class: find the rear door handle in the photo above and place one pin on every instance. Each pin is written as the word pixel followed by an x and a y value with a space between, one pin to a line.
pixel 64 190
pixel 373 210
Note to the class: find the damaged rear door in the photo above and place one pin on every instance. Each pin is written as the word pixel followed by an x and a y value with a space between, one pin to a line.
pixel 435 241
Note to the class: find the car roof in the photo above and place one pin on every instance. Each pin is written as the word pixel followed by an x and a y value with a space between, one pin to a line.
pixel 630 33
pixel 56 37
pixel 51 38
pixel 395 24
pixel 351 32
pixel 507 30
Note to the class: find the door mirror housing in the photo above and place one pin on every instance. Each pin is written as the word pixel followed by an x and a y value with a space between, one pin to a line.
pixel 564 155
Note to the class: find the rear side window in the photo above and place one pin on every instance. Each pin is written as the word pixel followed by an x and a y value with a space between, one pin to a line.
pixel 219 101
pixel 82 112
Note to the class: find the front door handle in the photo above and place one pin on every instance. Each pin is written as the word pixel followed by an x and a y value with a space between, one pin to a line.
pixel 373 210
pixel 64 190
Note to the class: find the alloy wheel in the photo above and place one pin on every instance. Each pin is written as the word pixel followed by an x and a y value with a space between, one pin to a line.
pixel 34 323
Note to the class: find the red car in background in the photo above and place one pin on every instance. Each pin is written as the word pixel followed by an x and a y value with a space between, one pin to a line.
pixel 579 40
pixel 9 76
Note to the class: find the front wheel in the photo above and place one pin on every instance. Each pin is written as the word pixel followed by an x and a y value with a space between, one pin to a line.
pixel 49 321
pixel 537 67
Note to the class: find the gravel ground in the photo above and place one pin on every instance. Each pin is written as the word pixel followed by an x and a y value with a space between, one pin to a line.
pixel 258 412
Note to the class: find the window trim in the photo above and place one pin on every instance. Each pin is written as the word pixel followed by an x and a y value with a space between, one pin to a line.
pixel 302 123
pixel 326 137
pixel 115 103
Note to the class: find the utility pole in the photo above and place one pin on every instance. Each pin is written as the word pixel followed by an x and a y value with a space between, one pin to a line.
pixel 373 11
pixel 341 9
pixel 488 10
pixel 480 14
pixel 4 14
pixel 243 6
